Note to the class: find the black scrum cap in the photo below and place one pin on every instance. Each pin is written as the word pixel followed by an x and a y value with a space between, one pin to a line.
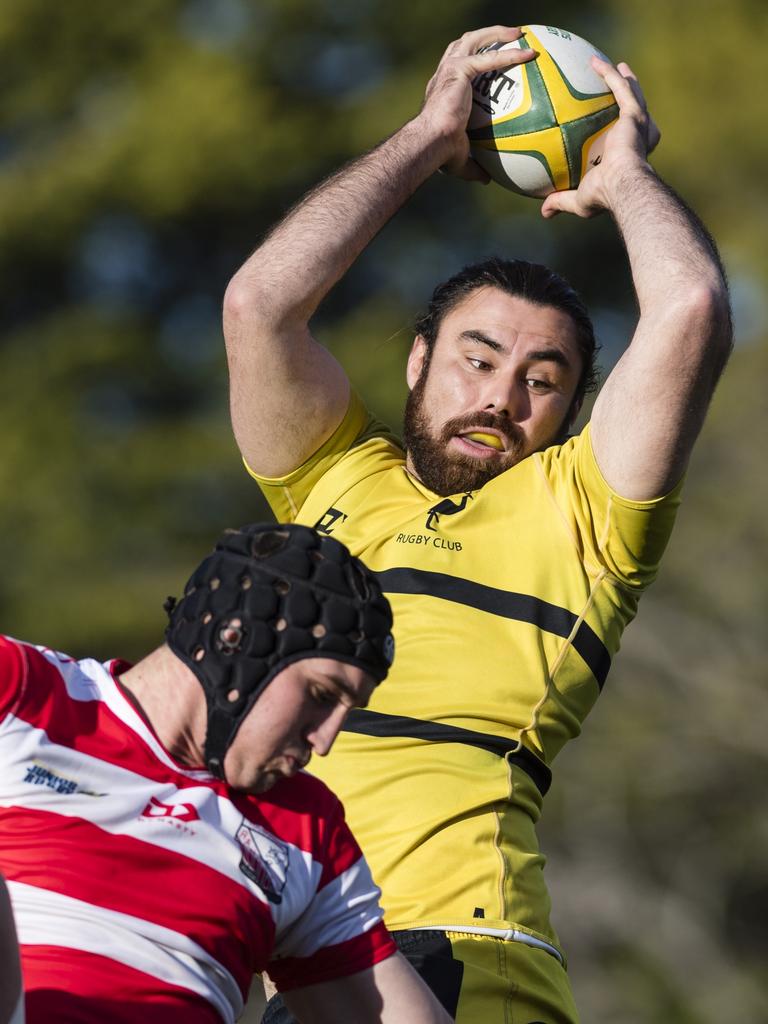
pixel 268 596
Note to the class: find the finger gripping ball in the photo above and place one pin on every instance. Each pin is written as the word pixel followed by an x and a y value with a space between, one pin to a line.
pixel 539 127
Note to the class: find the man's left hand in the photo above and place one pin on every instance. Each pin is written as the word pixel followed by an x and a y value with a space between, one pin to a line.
pixel 627 145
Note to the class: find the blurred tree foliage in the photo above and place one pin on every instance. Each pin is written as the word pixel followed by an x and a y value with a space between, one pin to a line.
pixel 144 149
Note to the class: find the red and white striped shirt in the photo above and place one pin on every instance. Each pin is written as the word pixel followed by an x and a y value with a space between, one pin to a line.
pixel 142 889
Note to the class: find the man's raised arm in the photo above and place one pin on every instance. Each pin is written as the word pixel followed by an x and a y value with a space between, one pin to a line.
pixel 649 413
pixel 287 393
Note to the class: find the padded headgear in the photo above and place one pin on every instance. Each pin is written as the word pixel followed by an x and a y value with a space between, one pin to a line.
pixel 268 596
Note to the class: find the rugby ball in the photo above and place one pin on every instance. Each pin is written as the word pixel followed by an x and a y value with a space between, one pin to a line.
pixel 539 127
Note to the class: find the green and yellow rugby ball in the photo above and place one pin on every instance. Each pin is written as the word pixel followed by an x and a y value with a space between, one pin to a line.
pixel 539 127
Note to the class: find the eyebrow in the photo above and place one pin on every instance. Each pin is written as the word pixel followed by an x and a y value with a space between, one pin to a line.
pixel 550 355
pixel 483 339
pixel 539 355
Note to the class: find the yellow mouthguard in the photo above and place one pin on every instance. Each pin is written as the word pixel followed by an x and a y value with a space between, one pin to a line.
pixel 488 439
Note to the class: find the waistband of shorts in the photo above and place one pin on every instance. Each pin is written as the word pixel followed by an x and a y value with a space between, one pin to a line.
pixel 501 934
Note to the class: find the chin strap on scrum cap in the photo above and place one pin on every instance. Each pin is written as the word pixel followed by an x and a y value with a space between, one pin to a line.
pixel 268 596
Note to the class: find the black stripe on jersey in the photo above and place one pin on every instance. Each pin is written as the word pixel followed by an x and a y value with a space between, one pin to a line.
pixel 371 723
pixel 523 607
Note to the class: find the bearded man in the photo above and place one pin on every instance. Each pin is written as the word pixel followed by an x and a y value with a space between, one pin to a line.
pixel 513 554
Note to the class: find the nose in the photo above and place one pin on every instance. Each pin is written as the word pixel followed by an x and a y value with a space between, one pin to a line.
pixel 322 734
pixel 502 396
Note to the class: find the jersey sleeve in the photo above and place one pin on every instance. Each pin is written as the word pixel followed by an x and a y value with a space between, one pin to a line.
pixel 341 931
pixel 619 535
pixel 286 494
pixel 13 674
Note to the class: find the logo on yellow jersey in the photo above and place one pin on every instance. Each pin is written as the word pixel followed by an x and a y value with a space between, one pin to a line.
pixel 326 523
pixel 446 507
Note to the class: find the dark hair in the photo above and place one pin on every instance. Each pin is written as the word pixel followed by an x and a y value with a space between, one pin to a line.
pixel 530 281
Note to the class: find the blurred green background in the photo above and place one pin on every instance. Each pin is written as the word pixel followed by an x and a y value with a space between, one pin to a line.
pixel 144 149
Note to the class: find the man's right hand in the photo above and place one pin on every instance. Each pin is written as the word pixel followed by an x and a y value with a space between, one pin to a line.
pixel 448 99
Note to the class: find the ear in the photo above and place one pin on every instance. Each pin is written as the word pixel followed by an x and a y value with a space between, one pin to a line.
pixel 416 361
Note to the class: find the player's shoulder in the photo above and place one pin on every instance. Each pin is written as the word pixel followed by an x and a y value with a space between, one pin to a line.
pixel 374 454
pixel 371 438
pixel 561 463
pixel 304 793
pixel 536 474
pixel 300 810
pixel 368 427
pixel 8 645
pixel 12 655
pixel 13 673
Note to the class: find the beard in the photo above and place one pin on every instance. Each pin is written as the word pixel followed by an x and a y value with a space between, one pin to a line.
pixel 449 472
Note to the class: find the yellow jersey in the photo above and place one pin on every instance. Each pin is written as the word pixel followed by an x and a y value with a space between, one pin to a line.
pixel 509 603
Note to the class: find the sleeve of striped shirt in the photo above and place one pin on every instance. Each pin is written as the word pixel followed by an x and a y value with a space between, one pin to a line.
pixel 341 930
